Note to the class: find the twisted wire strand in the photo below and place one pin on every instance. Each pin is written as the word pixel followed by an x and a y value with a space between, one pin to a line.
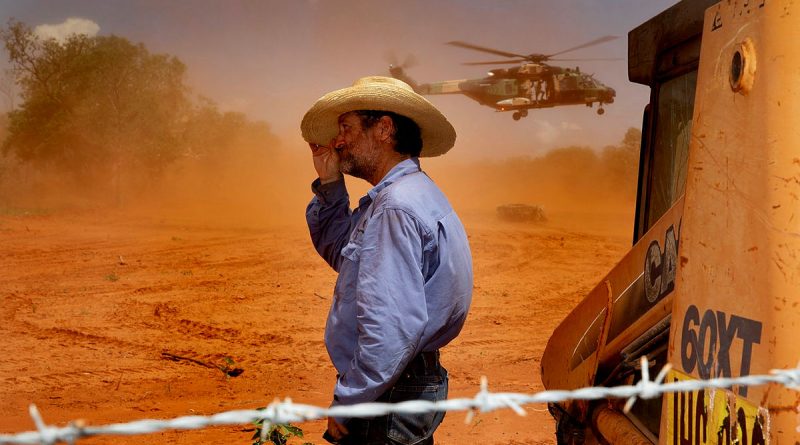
pixel 484 401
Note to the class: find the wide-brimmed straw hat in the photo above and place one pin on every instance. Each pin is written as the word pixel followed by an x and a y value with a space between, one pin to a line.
pixel 321 122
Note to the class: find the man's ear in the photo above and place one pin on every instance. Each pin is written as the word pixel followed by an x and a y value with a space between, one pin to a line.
pixel 385 128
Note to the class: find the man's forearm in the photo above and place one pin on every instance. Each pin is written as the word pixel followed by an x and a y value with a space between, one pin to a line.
pixel 328 218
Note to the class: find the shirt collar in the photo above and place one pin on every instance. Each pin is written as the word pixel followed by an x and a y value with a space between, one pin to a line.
pixel 405 167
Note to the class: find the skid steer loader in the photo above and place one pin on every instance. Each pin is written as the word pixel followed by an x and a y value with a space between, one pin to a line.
pixel 712 282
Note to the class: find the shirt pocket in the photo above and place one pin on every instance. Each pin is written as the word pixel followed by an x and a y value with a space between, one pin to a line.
pixel 352 251
pixel 345 290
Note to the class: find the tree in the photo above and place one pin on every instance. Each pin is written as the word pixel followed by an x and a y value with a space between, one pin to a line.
pixel 113 117
pixel 622 161
pixel 90 104
pixel 212 134
pixel 7 90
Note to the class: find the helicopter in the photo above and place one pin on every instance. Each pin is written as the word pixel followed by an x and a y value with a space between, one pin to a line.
pixel 532 84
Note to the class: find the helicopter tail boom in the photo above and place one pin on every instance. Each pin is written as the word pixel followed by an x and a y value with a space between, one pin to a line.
pixel 446 87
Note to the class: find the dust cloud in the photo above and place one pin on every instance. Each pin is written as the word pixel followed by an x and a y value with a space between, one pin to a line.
pixel 564 180
pixel 264 189
pixel 269 186
pixel 234 184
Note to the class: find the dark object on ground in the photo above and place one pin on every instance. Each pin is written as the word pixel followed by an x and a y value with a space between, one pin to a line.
pixel 230 372
pixel 521 213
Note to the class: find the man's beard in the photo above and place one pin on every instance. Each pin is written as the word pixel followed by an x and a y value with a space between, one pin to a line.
pixel 360 166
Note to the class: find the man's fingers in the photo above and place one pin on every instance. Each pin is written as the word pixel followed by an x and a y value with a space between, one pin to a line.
pixel 316 148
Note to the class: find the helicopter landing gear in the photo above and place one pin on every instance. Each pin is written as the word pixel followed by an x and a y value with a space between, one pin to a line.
pixel 519 114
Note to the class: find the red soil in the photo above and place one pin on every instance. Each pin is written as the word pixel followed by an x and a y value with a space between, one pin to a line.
pixel 90 301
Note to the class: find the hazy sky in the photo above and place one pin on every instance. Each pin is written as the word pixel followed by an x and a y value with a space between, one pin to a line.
pixel 273 59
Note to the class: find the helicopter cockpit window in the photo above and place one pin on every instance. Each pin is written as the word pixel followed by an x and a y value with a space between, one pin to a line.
pixel 671 144
pixel 569 82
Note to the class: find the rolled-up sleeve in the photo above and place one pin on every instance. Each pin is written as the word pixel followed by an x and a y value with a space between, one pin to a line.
pixel 328 218
pixel 391 310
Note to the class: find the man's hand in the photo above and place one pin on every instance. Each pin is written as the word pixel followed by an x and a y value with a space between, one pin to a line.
pixel 336 430
pixel 326 162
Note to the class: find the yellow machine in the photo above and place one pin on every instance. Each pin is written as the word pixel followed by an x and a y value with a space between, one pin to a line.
pixel 712 283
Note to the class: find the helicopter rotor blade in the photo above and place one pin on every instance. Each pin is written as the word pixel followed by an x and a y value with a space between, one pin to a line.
pixel 410 61
pixel 391 57
pixel 484 49
pixel 588 59
pixel 496 62
pixel 591 43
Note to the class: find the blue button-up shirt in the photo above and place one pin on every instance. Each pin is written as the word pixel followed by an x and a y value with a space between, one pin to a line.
pixel 405 277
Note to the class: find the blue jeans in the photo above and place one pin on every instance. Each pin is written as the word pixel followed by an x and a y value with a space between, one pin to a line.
pixel 423 379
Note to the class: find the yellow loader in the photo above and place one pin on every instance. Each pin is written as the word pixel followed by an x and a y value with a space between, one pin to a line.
pixel 712 282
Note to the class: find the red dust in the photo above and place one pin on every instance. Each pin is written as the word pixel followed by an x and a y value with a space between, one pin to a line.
pixel 212 262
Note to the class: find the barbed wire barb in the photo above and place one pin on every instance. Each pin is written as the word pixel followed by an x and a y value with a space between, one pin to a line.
pixel 48 436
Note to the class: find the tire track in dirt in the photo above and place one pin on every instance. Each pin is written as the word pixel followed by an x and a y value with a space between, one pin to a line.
pixel 280 343
pixel 70 342
pixel 68 379
pixel 12 303
pixel 480 343
pixel 207 337
pixel 114 354
pixel 197 329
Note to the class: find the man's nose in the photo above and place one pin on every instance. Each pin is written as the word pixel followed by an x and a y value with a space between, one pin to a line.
pixel 338 141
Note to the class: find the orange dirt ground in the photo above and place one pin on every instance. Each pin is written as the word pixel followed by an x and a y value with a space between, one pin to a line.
pixel 90 301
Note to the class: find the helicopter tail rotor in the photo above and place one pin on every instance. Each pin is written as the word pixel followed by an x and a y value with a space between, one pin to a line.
pixel 410 60
pixel 397 69
pixel 400 74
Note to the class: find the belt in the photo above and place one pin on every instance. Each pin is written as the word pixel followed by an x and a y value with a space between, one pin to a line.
pixel 425 361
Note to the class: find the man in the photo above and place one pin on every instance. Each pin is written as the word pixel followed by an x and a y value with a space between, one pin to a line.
pixel 405 268
pixel 539 92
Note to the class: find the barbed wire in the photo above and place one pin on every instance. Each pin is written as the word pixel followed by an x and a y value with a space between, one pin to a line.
pixel 484 401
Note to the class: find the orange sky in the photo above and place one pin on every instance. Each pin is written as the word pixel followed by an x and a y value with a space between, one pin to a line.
pixel 273 59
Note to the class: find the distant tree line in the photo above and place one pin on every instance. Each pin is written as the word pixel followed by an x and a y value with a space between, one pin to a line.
pixel 572 177
pixel 583 171
pixel 105 111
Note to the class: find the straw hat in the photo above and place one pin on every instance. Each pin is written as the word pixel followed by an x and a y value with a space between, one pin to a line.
pixel 320 124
